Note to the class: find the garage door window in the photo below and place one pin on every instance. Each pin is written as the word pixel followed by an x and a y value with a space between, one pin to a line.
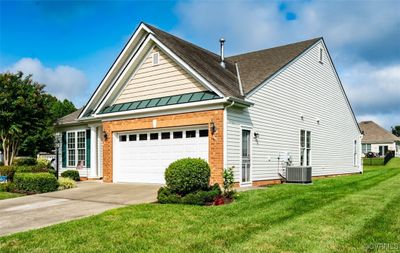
pixel 191 134
pixel 178 135
pixel 166 135
pixel 122 138
pixel 154 136
pixel 143 137
pixel 203 133
pixel 132 137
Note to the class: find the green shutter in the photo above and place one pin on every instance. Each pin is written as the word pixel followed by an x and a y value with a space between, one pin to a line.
pixel 88 148
pixel 64 149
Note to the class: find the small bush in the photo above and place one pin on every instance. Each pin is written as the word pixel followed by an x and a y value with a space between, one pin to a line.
pixel 8 171
pixel 165 196
pixel 31 169
pixel 43 162
pixel 72 174
pixel 28 161
pixel 229 182
pixel 6 187
pixel 35 182
pixel 66 183
pixel 187 175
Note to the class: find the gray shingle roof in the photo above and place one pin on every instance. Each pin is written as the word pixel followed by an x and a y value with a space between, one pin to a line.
pixel 70 118
pixel 374 133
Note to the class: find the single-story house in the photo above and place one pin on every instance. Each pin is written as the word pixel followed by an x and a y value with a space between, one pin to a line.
pixel 165 98
pixel 378 140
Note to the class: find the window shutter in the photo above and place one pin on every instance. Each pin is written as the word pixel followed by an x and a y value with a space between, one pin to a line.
pixel 88 148
pixel 64 149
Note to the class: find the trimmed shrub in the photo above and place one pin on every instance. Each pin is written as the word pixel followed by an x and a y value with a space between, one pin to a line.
pixel 201 197
pixel 31 169
pixel 43 162
pixel 72 174
pixel 6 187
pixel 165 196
pixel 8 171
pixel 187 175
pixel 66 183
pixel 35 182
pixel 26 161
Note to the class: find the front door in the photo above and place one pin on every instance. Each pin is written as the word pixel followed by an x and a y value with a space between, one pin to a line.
pixel 383 150
pixel 245 156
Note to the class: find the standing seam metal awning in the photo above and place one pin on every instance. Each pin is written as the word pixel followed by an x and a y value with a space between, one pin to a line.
pixel 162 101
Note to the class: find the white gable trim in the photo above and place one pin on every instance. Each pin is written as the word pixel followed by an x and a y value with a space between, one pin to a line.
pixel 329 60
pixel 112 69
pixel 117 83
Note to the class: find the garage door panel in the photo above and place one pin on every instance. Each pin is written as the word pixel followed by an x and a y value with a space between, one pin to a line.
pixel 146 161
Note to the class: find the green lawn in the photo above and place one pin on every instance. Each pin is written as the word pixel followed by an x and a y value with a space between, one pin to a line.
pixel 356 213
pixel 8 195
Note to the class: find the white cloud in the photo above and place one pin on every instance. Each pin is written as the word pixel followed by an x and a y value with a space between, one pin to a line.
pixel 61 81
pixel 363 39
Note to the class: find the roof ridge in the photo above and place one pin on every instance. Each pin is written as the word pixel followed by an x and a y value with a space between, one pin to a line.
pixel 276 47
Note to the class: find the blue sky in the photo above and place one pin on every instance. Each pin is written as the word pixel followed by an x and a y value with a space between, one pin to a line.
pixel 69 45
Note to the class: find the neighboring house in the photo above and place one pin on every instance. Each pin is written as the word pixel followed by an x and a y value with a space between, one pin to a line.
pixel 165 99
pixel 378 140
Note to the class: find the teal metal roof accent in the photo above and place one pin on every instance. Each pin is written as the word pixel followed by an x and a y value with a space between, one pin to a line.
pixel 162 101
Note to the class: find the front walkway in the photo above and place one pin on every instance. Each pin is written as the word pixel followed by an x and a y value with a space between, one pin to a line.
pixel 89 198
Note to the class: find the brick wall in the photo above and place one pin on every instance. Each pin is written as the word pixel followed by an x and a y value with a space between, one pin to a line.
pixel 215 141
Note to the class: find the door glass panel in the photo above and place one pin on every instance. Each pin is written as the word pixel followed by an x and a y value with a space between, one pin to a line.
pixel 245 155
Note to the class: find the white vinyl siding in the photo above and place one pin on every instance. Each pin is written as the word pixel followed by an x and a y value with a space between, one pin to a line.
pixel 152 80
pixel 305 95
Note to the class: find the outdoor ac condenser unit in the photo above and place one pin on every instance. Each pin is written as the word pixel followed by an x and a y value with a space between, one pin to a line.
pixel 299 174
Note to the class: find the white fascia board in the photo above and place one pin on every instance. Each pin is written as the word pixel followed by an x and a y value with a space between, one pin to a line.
pixel 109 73
pixel 164 109
pixel 122 75
pixel 186 66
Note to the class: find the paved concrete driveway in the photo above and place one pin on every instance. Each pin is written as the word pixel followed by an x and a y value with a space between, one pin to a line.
pixel 89 198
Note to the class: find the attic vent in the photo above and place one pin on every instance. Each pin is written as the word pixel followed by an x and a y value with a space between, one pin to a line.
pixel 156 58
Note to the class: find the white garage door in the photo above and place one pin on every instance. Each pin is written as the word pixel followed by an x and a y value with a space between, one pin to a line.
pixel 144 156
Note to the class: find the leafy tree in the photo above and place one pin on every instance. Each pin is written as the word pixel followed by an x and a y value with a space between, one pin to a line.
pixel 23 111
pixel 396 130
pixel 27 116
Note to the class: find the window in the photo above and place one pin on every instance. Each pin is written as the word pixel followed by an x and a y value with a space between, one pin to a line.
pixel 321 54
pixel 156 58
pixel 76 148
pixel 165 135
pixel 178 135
pixel 81 143
pixel 142 137
pixel 355 153
pixel 122 138
pixel 71 149
pixel 191 134
pixel 132 137
pixel 305 148
pixel 366 148
pixel 203 133
pixel 154 136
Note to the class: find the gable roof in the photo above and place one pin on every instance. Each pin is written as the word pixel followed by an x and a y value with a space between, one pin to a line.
pixel 374 133
pixel 254 67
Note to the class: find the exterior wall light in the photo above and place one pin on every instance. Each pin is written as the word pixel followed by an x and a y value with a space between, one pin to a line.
pixel 213 128
pixel 105 135
pixel 256 135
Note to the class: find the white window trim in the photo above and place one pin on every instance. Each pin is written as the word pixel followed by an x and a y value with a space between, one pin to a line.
pixel 355 153
pixel 76 148
pixel 321 54
pixel 305 149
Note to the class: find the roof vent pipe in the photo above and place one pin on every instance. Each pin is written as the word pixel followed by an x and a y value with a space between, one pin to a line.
pixel 222 41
